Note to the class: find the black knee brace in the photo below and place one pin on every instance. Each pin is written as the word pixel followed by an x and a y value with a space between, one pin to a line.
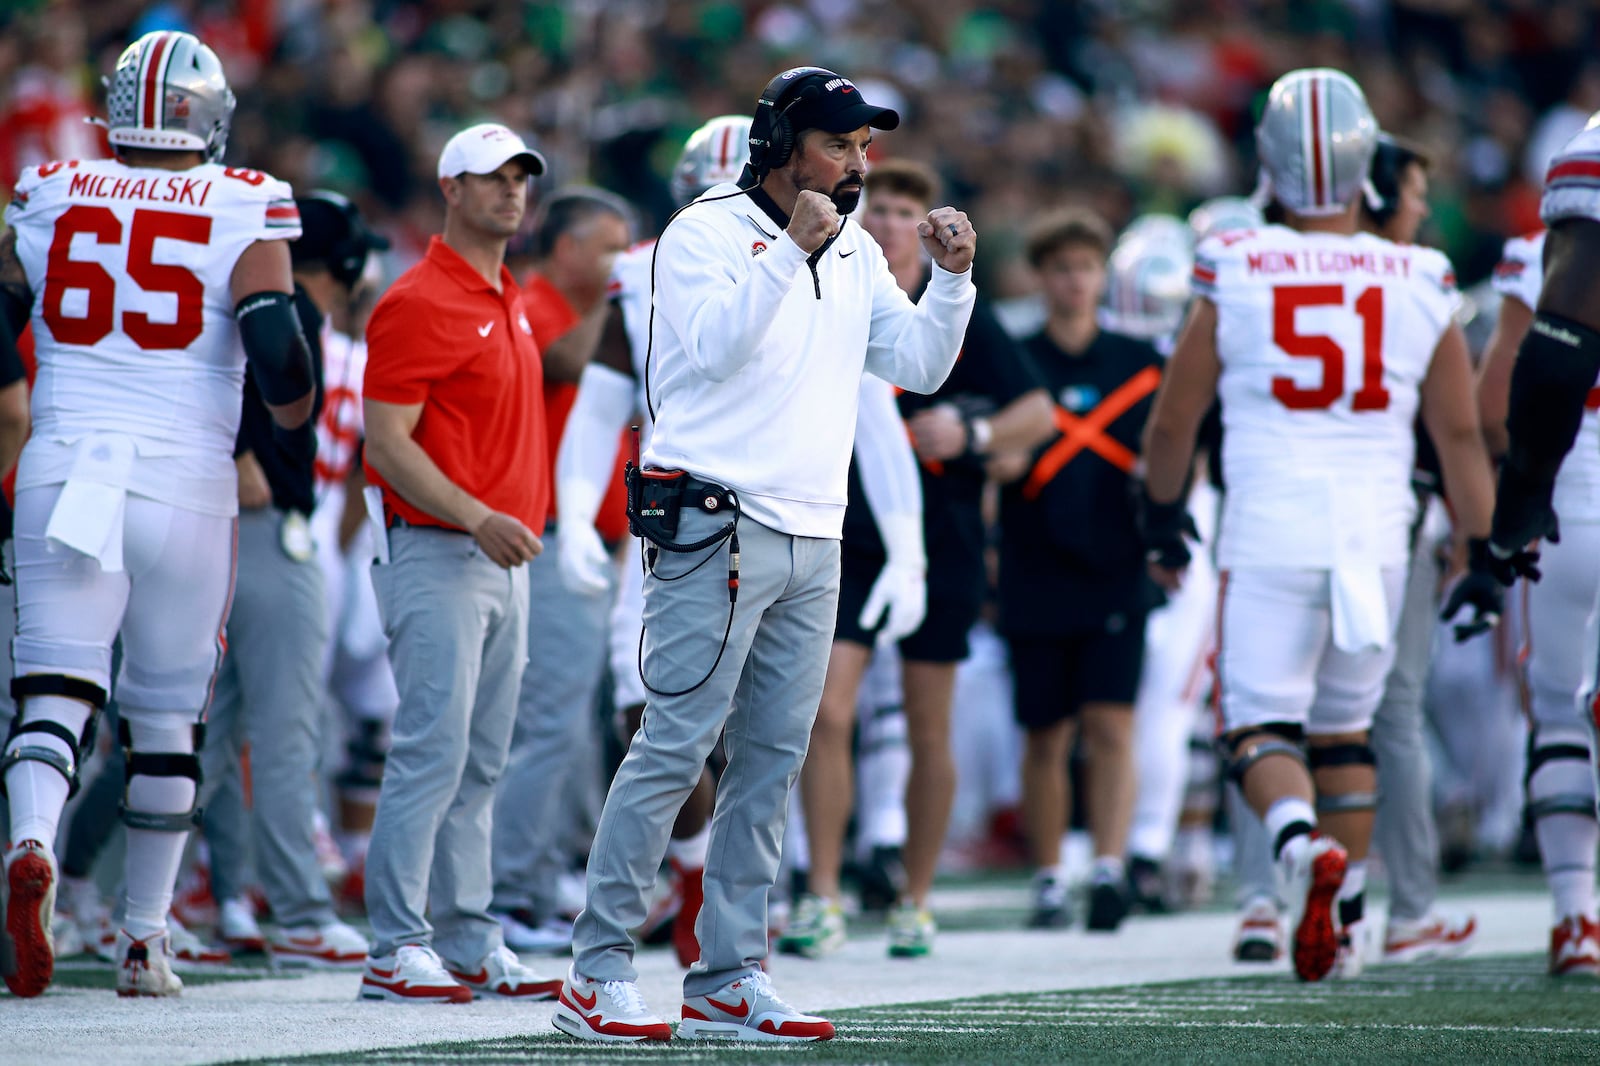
pixel 1561 802
pixel 1285 738
pixel 160 764
pixel 1346 754
pixel 52 685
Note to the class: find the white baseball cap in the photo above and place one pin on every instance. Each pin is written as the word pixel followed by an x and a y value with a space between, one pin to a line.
pixel 484 149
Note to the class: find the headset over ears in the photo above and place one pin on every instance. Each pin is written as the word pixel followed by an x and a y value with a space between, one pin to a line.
pixel 1389 162
pixel 771 133
pixel 346 256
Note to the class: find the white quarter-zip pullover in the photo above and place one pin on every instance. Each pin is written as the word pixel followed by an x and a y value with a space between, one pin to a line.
pixel 756 355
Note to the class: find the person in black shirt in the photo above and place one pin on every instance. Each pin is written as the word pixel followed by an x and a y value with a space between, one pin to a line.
pixel 269 691
pixel 1073 589
pixel 994 400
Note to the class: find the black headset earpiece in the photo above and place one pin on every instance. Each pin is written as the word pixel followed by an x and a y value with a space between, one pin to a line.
pixel 1389 161
pixel 771 132
pixel 348 256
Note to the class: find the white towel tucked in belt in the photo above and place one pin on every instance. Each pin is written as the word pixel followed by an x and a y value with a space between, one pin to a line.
pixel 89 513
pixel 373 496
pixel 1360 609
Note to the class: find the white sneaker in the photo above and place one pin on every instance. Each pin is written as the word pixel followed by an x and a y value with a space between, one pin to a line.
pixel 553 936
pixel 412 974
pixel 237 927
pixel 80 897
pixel 608 1011
pixel 749 1009
pixel 334 945
pixel 1310 885
pixel 1433 936
pixel 144 967
pixel 503 974
pixel 68 937
pixel 190 949
pixel 1260 935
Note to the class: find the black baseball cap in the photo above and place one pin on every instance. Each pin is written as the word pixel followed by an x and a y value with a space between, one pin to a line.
pixel 827 101
pixel 333 235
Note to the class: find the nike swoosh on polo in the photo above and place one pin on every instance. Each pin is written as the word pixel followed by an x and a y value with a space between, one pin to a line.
pixel 847 255
pixel 485 329
pixel 738 1010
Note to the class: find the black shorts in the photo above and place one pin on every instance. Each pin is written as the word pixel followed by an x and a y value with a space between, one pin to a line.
pixel 1054 676
pixel 954 603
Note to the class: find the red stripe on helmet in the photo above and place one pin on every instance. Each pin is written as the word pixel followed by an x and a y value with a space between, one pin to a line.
pixel 1573 168
pixel 1316 142
pixel 152 80
pixel 722 153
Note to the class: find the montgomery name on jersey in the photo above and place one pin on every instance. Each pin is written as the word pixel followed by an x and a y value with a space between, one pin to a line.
pixel 1324 340
pixel 130 271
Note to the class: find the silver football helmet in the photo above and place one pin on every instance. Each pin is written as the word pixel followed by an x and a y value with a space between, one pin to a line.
pixel 168 92
pixel 1147 280
pixel 1159 229
pixel 1223 213
pixel 715 153
pixel 1315 141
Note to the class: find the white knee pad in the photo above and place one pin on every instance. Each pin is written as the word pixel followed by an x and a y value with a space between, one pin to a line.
pixel 162 770
pixel 1560 776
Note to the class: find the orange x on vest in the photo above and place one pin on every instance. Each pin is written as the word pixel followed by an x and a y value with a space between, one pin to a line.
pixel 1089 431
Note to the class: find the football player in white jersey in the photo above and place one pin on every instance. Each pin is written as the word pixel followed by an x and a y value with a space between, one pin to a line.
pixel 144 276
pixel 1147 292
pixel 1560 633
pixel 1321 342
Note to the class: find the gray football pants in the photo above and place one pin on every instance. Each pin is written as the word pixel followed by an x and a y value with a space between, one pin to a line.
pixel 761 698
pixel 566 661
pixel 1405 834
pixel 269 693
pixel 458 641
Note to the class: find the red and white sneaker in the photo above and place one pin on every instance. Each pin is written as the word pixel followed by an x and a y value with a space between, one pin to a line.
pixel 190 949
pixel 1575 947
pixel 1260 935
pixel 749 1009
pixel 691 894
pixel 1310 886
pixel 144 967
pixel 412 974
pixel 503 974
pixel 609 1011
pixel 31 879
pixel 1433 936
pixel 333 946
pixel 238 929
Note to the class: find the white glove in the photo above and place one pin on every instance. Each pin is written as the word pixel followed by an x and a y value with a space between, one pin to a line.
pixel 585 564
pixel 902 586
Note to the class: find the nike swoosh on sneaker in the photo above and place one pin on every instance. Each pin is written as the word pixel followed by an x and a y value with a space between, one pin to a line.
pixel 472 978
pixel 738 1010
pixel 586 1004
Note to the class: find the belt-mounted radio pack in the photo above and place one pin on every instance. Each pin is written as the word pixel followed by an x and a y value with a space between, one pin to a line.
pixel 656 499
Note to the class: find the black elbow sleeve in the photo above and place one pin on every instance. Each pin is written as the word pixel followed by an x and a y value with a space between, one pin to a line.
pixel 275 346
pixel 1556 367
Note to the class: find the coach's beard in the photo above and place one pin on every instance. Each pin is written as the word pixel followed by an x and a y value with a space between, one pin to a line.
pixel 846 195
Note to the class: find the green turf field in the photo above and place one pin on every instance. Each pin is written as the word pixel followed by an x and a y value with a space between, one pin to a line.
pixel 1489 1010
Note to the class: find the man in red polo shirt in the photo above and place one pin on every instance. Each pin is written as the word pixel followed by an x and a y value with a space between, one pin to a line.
pixel 552 769
pixel 456 445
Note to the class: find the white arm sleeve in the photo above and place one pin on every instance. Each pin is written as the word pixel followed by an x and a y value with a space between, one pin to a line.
pixel 915 345
pixel 888 469
pixel 589 442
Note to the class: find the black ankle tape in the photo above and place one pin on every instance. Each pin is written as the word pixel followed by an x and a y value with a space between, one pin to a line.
pixel 1290 831
pixel 1351 910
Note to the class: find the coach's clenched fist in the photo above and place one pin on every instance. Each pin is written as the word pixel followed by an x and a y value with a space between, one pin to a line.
pixel 815 219
pixel 949 238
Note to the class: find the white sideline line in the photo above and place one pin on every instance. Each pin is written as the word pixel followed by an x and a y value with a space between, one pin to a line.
pixel 318 1013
